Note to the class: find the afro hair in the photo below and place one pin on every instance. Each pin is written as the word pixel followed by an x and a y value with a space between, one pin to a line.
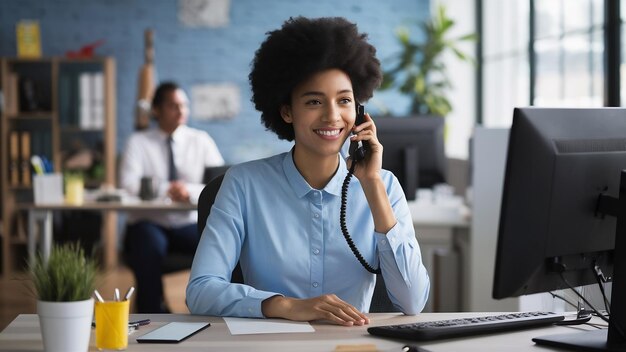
pixel 301 48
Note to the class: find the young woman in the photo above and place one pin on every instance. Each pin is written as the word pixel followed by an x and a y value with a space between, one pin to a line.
pixel 279 217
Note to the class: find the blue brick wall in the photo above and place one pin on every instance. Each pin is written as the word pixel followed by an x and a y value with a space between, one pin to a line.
pixel 200 55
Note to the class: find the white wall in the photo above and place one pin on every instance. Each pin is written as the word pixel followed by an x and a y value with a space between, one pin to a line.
pixel 489 148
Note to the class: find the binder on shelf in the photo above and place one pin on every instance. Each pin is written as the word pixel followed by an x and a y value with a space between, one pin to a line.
pixel 14 162
pixel 84 100
pixel 91 100
pixel 97 102
pixel 25 159
pixel 65 100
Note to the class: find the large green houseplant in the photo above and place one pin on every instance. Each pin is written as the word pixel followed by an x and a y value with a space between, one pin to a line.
pixel 64 284
pixel 418 70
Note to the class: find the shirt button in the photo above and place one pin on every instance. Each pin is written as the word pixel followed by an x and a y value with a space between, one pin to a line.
pixel 315 284
pixel 316 215
pixel 383 241
pixel 316 251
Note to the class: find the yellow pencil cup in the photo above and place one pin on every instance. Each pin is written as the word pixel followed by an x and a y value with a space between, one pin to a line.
pixel 74 190
pixel 112 325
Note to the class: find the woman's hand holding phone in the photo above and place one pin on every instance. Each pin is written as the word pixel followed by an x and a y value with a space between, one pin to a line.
pixel 368 168
pixel 368 173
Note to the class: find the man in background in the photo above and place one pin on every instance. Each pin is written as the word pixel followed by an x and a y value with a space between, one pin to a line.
pixel 172 157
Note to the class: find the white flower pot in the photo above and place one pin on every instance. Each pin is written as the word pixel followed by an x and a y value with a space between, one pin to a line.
pixel 65 326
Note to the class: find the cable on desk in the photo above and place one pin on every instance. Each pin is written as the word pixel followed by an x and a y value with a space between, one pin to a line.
pixel 600 315
pixel 601 279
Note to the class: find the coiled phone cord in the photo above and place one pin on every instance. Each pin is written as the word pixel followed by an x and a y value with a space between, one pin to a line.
pixel 344 228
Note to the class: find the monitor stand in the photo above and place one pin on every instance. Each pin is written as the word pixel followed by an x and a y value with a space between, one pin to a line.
pixel 613 338
pixel 595 340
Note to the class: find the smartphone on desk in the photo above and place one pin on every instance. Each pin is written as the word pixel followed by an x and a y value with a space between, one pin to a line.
pixel 172 332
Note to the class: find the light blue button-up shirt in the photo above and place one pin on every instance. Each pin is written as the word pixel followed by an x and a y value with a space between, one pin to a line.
pixel 288 240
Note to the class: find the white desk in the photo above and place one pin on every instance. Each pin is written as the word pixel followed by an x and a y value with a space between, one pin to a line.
pixel 23 334
pixel 42 214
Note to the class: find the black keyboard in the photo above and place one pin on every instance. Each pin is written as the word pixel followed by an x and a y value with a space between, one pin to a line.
pixel 433 330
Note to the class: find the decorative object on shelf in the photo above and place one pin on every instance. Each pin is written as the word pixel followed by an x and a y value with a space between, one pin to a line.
pixel 28 39
pixel 419 71
pixel 85 51
pixel 146 82
pixel 29 95
pixel 64 283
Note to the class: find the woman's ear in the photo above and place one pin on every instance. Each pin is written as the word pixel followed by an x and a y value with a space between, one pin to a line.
pixel 285 113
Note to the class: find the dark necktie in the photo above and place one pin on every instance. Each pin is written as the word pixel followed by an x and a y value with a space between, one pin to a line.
pixel 172 172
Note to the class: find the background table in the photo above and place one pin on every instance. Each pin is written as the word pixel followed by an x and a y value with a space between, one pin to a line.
pixel 40 217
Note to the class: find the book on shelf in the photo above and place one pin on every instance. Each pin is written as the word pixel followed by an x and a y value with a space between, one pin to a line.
pixel 11 95
pixel 66 99
pixel 21 144
pixel 25 159
pixel 14 162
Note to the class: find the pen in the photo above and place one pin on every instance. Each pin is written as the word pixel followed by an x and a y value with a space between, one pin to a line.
pixel 413 348
pixel 129 293
pixel 138 323
pixel 37 163
pixel 47 165
pixel 116 295
pixel 98 296
pixel 131 324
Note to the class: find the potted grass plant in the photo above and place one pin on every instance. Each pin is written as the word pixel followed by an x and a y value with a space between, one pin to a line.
pixel 64 285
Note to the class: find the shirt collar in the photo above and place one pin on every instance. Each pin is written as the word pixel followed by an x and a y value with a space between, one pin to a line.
pixel 299 184
pixel 177 135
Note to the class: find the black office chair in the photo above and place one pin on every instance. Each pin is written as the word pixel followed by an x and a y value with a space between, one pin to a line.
pixel 380 300
pixel 205 202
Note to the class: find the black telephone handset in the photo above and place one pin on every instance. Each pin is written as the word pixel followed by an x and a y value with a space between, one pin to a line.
pixel 358 151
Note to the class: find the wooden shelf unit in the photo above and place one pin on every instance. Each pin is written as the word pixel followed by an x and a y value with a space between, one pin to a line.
pixel 42 101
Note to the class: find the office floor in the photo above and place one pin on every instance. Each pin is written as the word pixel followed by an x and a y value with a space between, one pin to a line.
pixel 16 298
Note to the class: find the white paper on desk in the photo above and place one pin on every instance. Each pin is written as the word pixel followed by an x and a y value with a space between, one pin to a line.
pixel 242 326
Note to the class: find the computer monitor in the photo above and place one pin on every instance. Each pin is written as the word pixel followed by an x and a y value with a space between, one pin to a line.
pixel 561 194
pixel 413 151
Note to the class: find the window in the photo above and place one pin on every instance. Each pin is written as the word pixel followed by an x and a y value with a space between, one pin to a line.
pixel 505 64
pixel 560 61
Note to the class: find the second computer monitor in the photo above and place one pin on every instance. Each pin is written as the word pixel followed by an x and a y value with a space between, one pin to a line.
pixel 413 149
